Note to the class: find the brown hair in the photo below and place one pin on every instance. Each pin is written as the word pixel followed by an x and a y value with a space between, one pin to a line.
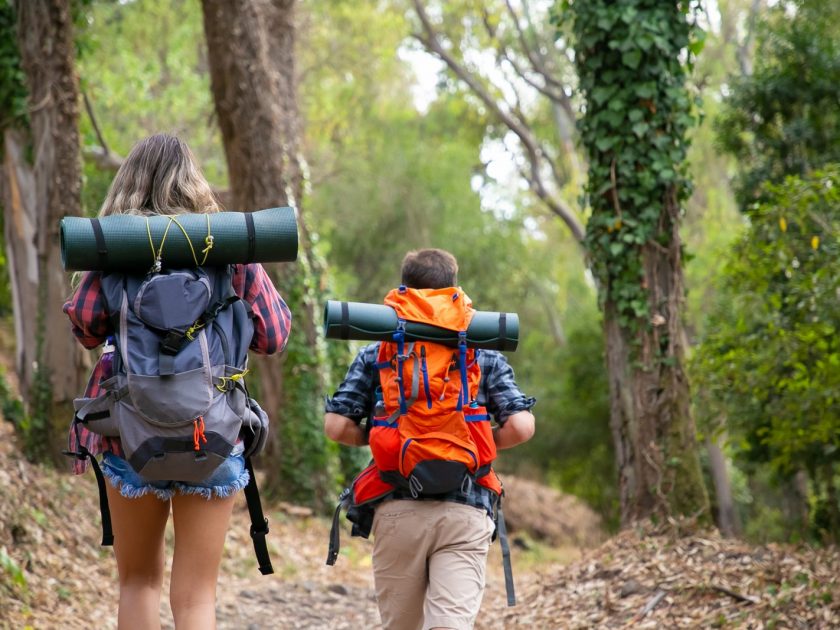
pixel 429 269
pixel 159 176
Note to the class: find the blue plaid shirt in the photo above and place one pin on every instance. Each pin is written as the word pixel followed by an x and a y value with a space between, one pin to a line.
pixel 497 390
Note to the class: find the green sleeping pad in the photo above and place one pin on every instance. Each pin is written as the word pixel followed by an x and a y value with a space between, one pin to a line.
pixel 130 242
pixel 377 322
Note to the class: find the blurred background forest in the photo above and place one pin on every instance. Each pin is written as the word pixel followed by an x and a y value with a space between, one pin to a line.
pixel 463 125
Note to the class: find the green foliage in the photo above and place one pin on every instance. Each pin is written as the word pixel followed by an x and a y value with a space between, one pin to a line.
pixel 784 119
pixel 306 471
pixel 143 66
pixel 14 574
pixel 574 440
pixel 769 361
pixel 32 429
pixel 390 178
pixel 771 355
pixel 384 178
pixel 629 57
pixel 12 79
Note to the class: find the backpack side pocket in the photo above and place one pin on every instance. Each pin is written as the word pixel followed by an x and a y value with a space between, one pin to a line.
pixel 95 414
pixel 254 428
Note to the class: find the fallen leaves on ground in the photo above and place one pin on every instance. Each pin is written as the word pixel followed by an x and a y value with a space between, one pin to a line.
pixel 54 574
pixel 648 579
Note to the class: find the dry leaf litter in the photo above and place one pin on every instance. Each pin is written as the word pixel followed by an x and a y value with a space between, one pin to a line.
pixel 54 574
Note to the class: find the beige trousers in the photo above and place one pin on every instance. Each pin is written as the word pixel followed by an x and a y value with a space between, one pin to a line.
pixel 429 559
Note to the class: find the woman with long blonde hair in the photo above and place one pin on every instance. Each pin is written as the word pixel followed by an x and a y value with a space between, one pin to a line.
pixel 160 176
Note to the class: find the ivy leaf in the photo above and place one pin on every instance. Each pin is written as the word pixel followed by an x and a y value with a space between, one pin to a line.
pixel 645 90
pixel 601 94
pixel 697 44
pixel 632 58
pixel 640 128
pixel 605 143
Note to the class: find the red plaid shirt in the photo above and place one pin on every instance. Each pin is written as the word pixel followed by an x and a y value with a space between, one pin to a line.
pixel 92 325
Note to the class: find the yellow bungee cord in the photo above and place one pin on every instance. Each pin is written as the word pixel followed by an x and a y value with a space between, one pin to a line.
pixel 235 378
pixel 157 256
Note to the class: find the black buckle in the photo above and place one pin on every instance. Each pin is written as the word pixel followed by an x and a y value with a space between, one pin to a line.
pixel 259 532
pixel 171 344
pixel 77 454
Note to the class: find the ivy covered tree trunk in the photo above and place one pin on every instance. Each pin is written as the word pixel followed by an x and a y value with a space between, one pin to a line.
pixel 252 70
pixel 41 184
pixel 634 129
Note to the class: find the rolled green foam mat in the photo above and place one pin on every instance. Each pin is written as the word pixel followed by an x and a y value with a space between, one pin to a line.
pixel 122 242
pixel 377 322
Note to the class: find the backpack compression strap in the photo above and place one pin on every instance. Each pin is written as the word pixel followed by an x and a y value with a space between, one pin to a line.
pixel 104 508
pixel 259 523
pixel 335 543
pixel 176 338
pixel 503 541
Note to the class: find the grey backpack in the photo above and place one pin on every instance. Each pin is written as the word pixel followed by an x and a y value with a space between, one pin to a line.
pixel 177 399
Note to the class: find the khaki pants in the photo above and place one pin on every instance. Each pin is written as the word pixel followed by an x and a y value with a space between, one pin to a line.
pixel 429 559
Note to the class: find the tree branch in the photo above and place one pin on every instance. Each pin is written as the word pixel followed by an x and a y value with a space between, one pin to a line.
pixel 743 52
pixel 106 152
pixel 532 150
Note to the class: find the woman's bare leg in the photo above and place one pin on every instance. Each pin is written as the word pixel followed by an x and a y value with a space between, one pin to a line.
pixel 200 528
pixel 139 527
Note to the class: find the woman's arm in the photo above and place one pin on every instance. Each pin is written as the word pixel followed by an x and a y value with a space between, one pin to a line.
pixel 272 317
pixel 87 311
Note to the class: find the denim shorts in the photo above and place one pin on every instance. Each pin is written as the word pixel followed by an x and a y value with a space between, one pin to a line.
pixel 226 480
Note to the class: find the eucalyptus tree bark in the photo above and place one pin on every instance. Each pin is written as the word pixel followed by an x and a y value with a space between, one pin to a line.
pixel 41 184
pixel 252 70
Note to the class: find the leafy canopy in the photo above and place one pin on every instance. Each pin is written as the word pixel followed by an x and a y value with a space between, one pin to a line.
pixel 770 361
pixel 784 119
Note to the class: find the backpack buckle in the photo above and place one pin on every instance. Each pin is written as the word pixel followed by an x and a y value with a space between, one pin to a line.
pixel 259 531
pixel 172 342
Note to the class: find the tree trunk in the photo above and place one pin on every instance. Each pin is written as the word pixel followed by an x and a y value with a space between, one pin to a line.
pixel 252 70
pixel 636 185
pixel 37 194
pixel 727 517
pixel 650 402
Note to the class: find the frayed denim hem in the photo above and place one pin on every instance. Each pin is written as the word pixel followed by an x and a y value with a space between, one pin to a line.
pixel 208 492
pixel 130 491
pixel 229 478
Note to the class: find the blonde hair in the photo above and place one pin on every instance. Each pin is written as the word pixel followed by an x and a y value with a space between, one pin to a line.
pixel 159 176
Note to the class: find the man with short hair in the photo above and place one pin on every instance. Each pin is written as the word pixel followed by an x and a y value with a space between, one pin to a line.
pixel 430 552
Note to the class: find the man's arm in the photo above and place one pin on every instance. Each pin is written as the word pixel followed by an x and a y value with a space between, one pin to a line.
pixel 343 430
pixel 352 401
pixel 506 402
pixel 518 428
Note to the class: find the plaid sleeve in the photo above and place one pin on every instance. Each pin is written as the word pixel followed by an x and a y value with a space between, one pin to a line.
pixel 503 397
pixel 272 317
pixel 86 310
pixel 355 396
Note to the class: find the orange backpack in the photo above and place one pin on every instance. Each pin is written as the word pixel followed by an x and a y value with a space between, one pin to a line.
pixel 428 435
